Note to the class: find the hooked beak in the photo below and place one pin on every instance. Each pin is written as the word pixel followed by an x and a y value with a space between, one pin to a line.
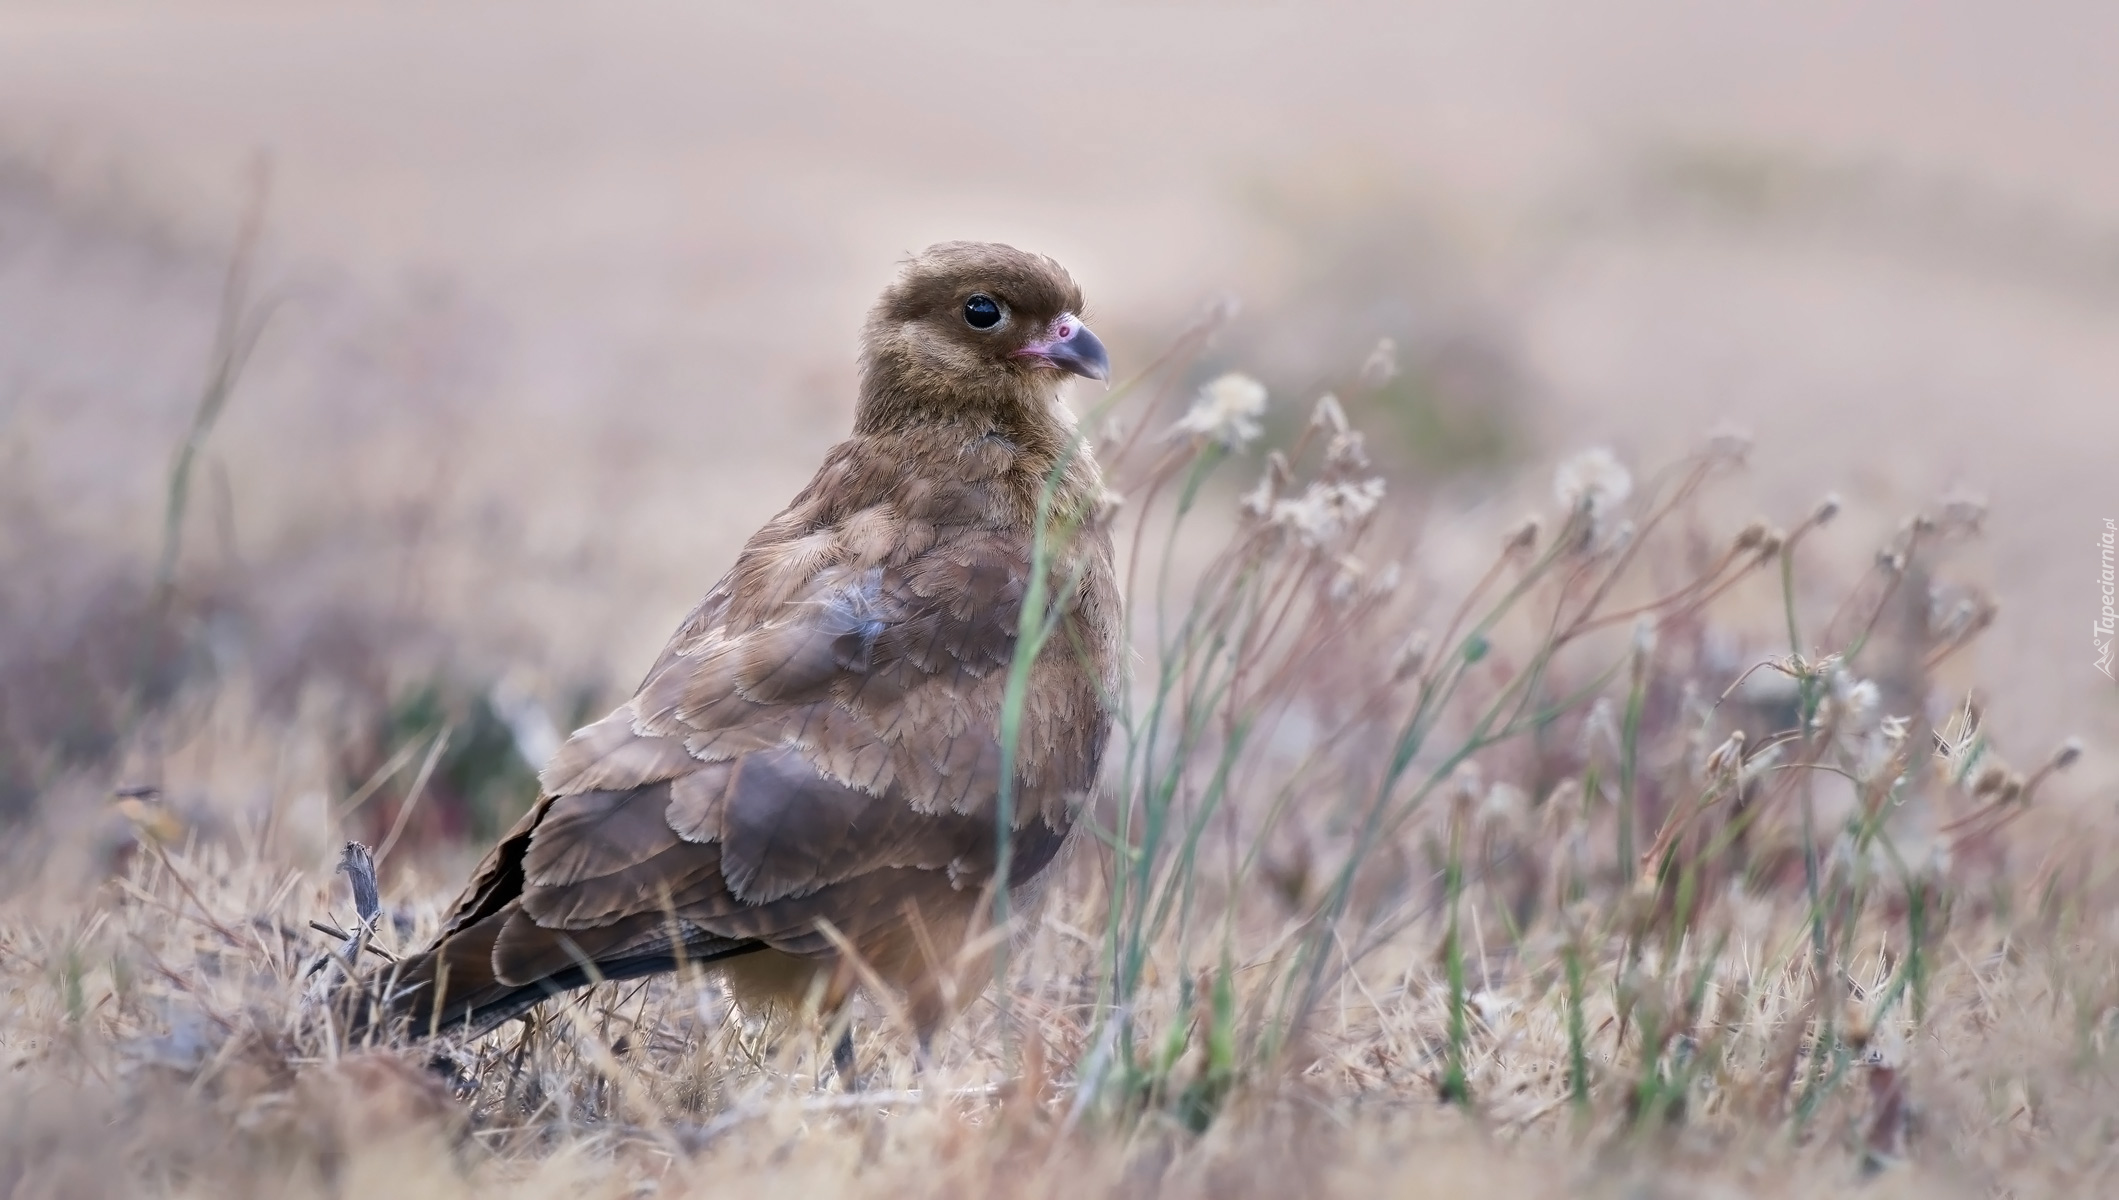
pixel 1069 346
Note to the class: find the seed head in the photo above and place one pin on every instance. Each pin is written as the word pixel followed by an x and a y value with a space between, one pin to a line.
pixel 1522 537
pixel 1467 783
pixel 1348 573
pixel 1347 451
pixel 1504 808
pixel 1592 482
pixel 1226 411
pixel 1644 638
pixel 1326 511
pixel 1728 757
pixel 1963 514
pixel 1989 781
pixel 2068 755
pixel 1381 366
pixel 1752 536
pixel 1258 502
pixel 1600 732
pixel 1729 445
pixel 1328 415
pixel 1412 657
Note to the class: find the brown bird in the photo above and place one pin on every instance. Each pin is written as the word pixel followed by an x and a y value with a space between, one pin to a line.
pixel 815 760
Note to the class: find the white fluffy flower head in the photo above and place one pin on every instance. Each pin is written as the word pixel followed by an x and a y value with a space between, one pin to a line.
pixel 1226 411
pixel 1325 511
pixel 1594 480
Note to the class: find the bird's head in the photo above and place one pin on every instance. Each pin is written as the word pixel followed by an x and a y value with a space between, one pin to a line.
pixel 974 328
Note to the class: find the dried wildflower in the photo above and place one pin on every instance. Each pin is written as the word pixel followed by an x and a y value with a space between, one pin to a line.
pixel 1412 657
pixel 1949 610
pixel 1494 1009
pixel 1347 451
pixel 1522 538
pixel 1730 445
pixel 1963 514
pixel 1592 482
pixel 1326 511
pixel 1644 639
pixel 1727 758
pixel 1258 502
pixel 1760 763
pixel 1826 509
pixel 2068 755
pixel 1988 783
pixel 1347 574
pixel 1381 366
pixel 1858 697
pixel 2011 789
pixel 1504 808
pixel 1328 415
pixel 1467 783
pixel 1956 614
pixel 1388 579
pixel 1867 739
pixel 1600 732
pixel 1752 536
pixel 1226 411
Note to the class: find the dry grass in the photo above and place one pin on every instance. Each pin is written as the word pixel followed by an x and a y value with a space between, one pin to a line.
pixel 1643 860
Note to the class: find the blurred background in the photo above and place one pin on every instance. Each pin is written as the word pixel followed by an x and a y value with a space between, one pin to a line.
pixel 553 305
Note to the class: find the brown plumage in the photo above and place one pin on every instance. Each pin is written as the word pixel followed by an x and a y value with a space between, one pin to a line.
pixel 820 741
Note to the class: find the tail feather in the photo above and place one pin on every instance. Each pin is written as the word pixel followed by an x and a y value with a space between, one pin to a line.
pixel 455 987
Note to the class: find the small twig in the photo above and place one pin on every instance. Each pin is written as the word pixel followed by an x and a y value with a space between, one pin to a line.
pixel 359 866
pixel 334 931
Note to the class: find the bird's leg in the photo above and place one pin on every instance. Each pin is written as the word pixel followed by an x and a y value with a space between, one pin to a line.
pixel 842 1058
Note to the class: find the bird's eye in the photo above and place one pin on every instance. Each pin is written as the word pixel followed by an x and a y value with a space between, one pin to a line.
pixel 982 312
